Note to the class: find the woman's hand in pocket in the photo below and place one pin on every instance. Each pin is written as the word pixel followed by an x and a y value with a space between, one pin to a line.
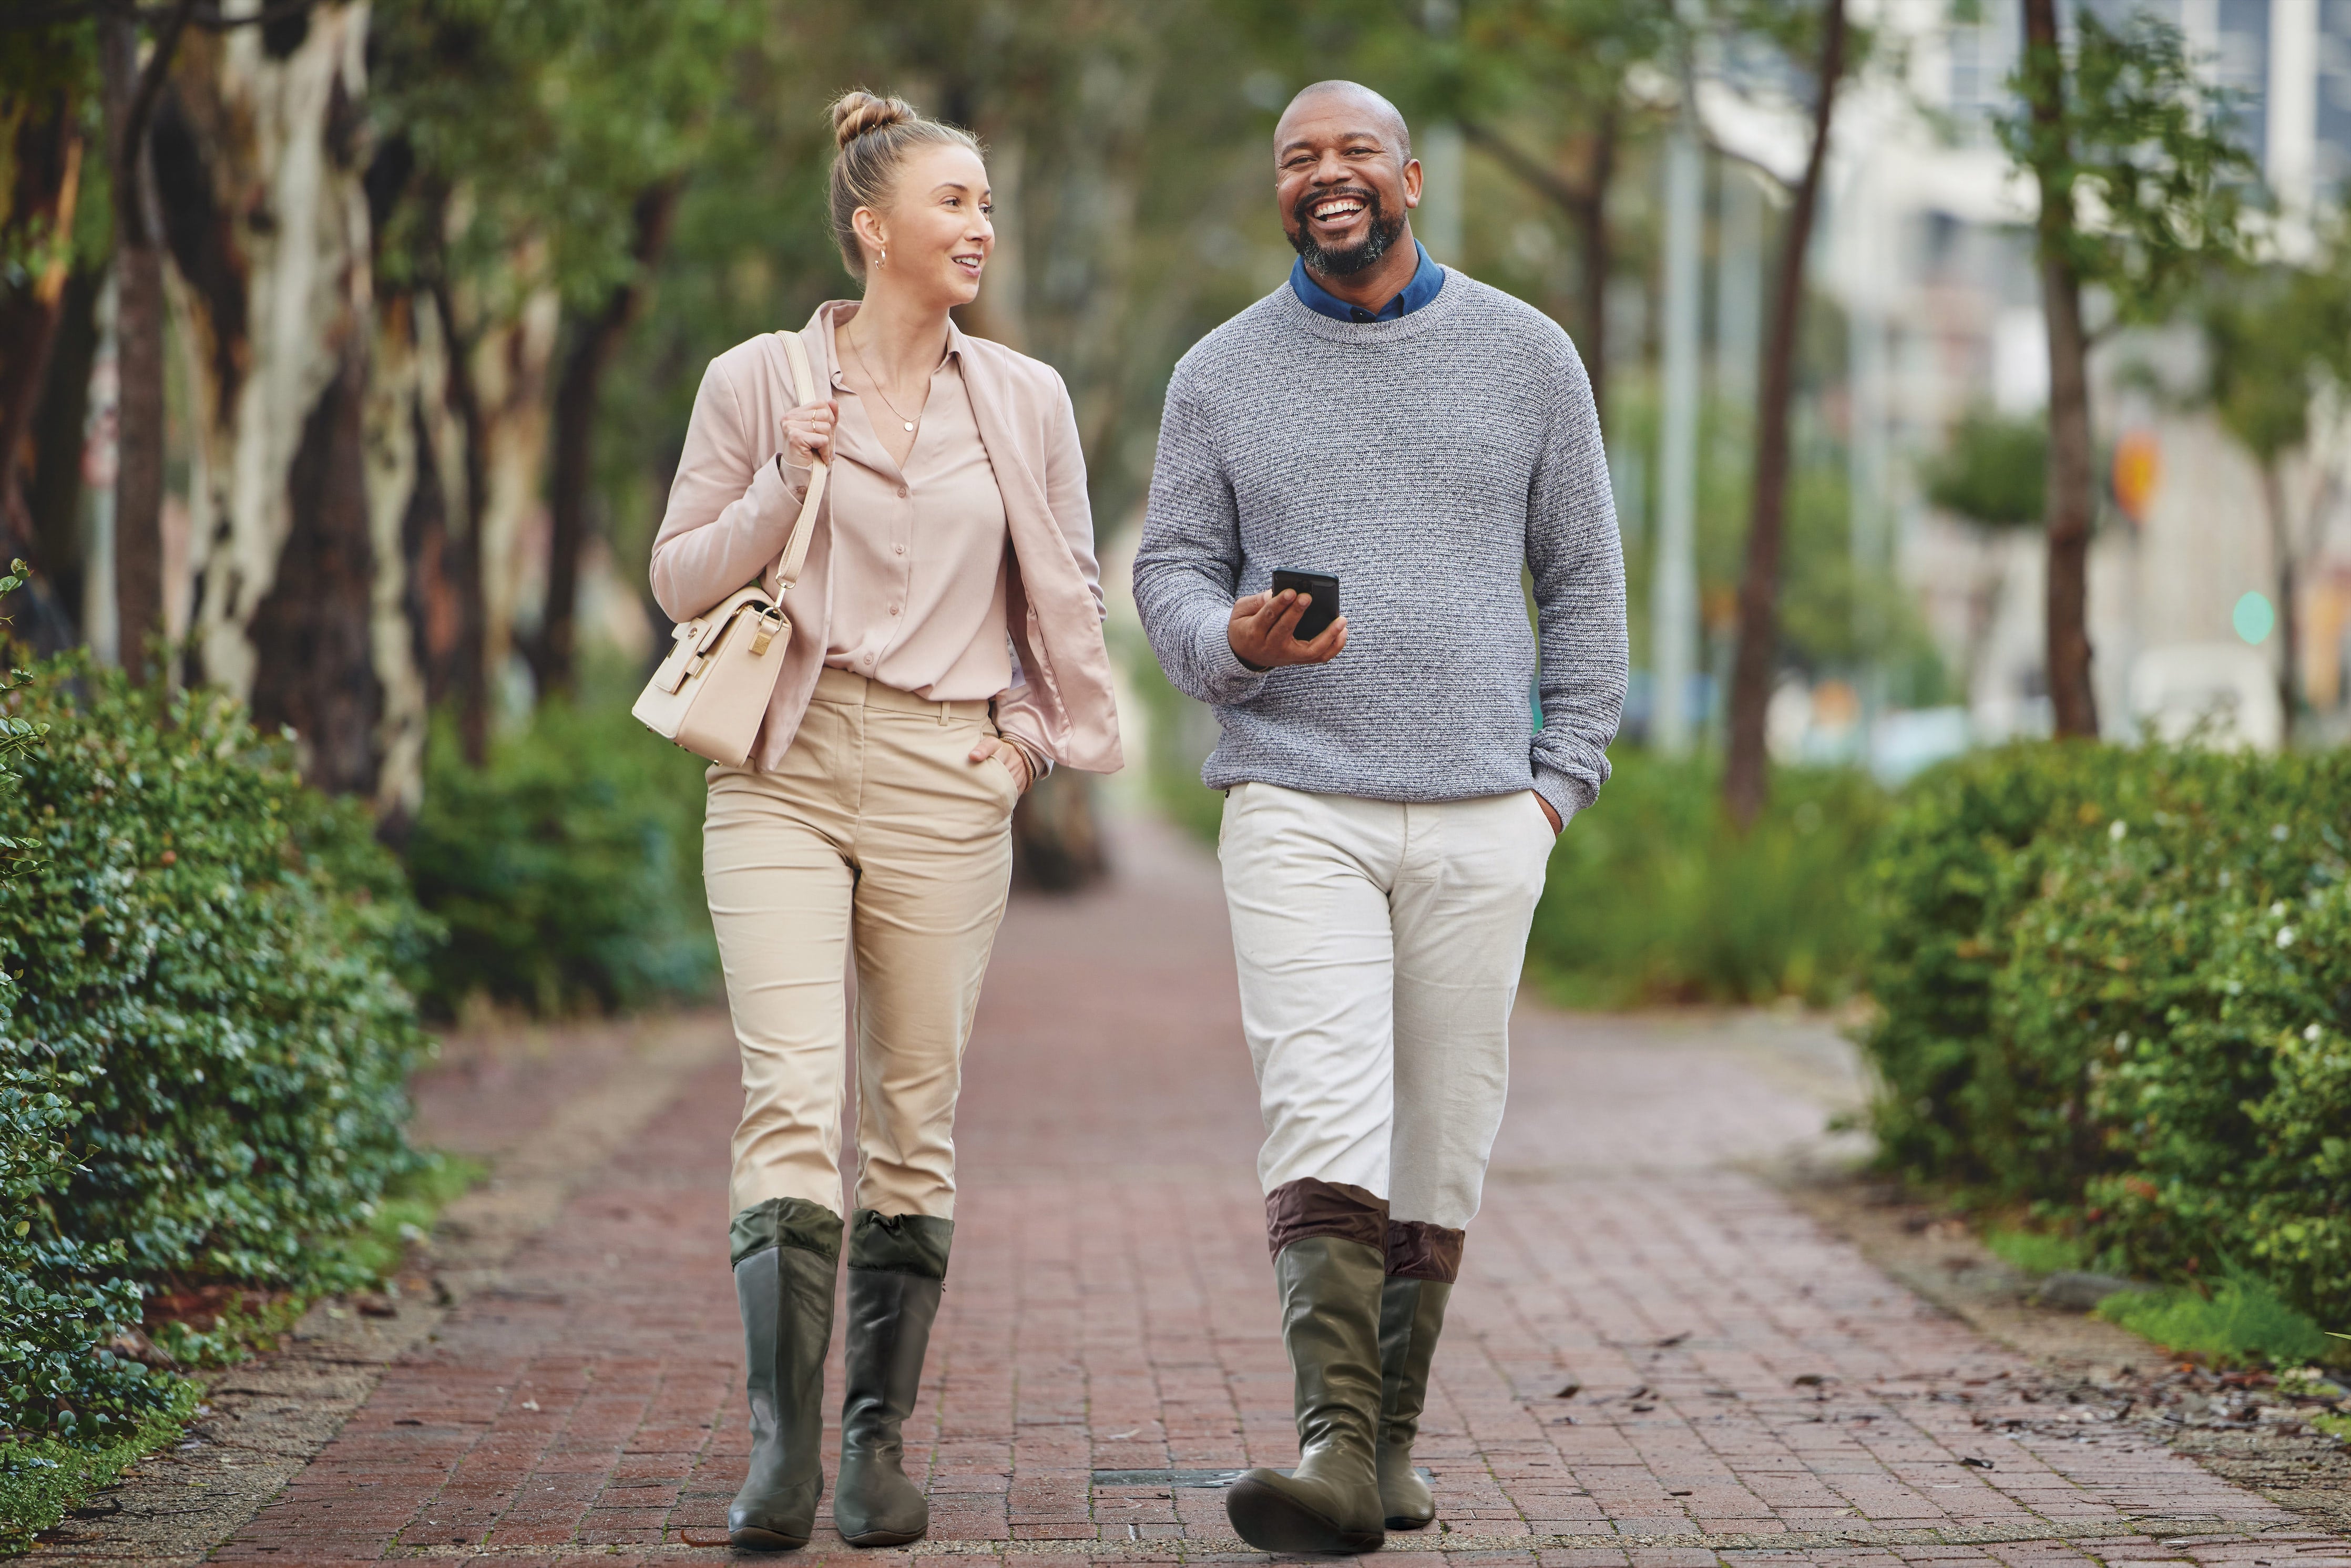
pixel 1010 757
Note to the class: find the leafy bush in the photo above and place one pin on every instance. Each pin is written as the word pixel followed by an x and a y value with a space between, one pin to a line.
pixel 205 952
pixel 1653 896
pixel 568 871
pixel 60 1301
pixel 2116 986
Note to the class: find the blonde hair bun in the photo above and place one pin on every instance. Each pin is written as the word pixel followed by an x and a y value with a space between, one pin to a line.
pixel 874 137
pixel 856 113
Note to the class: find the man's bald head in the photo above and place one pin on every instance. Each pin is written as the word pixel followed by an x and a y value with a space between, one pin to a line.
pixel 1319 98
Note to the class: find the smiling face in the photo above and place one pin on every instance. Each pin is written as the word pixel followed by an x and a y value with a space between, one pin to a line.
pixel 1344 178
pixel 935 231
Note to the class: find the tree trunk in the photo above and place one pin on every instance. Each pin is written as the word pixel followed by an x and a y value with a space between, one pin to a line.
pixel 60 437
pixel 2071 694
pixel 131 91
pixel 1747 776
pixel 260 150
pixel 1585 202
pixel 553 652
pixel 2288 678
pixel 45 148
pixel 1591 217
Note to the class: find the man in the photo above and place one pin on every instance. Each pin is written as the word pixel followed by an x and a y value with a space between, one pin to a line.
pixel 1391 802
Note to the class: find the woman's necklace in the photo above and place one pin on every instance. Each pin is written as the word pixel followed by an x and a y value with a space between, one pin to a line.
pixel 877 384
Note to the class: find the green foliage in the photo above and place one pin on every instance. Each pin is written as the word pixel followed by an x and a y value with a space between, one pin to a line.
pixel 43 1479
pixel 568 869
pixel 2117 985
pixel 2240 1320
pixel 2037 1251
pixel 554 117
pixel 2128 130
pixel 205 952
pixel 1181 733
pixel 1653 896
pixel 60 1296
pixel 1995 470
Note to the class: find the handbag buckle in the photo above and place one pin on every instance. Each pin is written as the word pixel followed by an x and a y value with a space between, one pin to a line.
pixel 771 621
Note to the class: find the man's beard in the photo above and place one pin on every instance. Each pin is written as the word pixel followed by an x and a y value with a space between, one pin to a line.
pixel 1343 262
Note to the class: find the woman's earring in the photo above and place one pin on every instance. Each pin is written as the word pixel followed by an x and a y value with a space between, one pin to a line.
pixel 884 258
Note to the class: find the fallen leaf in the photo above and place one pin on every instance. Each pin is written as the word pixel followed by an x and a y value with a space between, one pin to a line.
pixel 1569 1389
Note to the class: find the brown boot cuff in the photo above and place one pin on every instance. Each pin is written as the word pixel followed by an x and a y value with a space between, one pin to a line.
pixel 1298 1209
pixel 1419 1251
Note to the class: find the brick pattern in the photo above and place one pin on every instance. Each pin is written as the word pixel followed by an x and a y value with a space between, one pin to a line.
pixel 1739 1375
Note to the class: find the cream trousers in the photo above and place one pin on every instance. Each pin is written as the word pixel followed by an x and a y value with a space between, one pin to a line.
pixel 1379 945
pixel 878 839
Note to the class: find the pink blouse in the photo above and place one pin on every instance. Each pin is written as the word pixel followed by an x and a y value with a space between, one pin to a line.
pixel 919 553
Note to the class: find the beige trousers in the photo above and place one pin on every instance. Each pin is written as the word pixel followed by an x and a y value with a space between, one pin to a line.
pixel 877 838
pixel 1379 945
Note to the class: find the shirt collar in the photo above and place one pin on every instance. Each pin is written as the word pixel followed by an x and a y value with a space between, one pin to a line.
pixel 835 313
pixel 1426 279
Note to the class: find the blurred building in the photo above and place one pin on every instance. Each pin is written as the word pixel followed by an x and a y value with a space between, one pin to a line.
pixel 1924 247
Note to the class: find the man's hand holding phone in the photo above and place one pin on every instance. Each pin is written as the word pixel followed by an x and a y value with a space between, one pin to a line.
pixel 1263 630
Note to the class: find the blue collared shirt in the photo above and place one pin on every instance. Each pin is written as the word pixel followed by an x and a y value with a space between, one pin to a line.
pixel 1426 282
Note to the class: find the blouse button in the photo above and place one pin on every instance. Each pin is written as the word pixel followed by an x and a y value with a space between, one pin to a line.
pixel 898 549
pixel 901 492
pixel 894 610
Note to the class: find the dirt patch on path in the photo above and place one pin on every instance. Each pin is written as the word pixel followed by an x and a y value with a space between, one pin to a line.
pixel 2091 1375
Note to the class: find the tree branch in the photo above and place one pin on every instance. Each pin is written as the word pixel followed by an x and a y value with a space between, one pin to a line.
pixel 151 87
pixel 1526 166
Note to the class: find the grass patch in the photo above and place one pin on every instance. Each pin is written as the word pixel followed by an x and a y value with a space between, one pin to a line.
pixel 42 1480
pixel 404 1215
pixel 2241 1322
pixel 2037 1251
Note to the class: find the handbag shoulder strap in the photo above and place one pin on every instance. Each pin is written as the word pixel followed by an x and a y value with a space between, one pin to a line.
pixel 804 387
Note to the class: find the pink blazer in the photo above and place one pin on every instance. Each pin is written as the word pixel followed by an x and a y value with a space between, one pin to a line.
pixel 730 512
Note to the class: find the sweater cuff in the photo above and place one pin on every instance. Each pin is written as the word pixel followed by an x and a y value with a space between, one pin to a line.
pixel 1567 794
pixel 1228 681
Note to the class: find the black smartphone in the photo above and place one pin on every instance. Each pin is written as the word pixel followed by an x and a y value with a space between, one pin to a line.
pixel 1322 590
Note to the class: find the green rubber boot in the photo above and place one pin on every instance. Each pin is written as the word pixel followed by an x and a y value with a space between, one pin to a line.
pixel 786 1252
pixel 1412 1314
pixel 1330 1326
pixel 897 1266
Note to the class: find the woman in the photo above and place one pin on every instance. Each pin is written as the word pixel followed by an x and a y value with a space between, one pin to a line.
pixel 872 823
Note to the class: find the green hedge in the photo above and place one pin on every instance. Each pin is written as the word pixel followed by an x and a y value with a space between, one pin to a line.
pixel 568 871
pixel 2115 990
pixel 208 1045
pixel 1654 897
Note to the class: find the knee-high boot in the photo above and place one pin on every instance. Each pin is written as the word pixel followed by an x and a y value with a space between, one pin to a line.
pixel 1412 1315
pixel 786 1252
pixel 897 1266
pixel 1330 1326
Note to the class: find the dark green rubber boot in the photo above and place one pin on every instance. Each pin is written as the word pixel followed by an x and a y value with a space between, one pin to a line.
pixel 1330 1326
pixel 1412 1314
pixel 786 1251
pixel 897 1264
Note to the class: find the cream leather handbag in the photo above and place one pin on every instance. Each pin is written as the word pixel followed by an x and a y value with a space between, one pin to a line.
pixel 712 692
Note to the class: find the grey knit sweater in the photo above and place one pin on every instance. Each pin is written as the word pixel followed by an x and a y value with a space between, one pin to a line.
pixel 1424 462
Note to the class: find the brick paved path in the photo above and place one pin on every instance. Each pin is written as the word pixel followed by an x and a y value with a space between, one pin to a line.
pixel 1746 1384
